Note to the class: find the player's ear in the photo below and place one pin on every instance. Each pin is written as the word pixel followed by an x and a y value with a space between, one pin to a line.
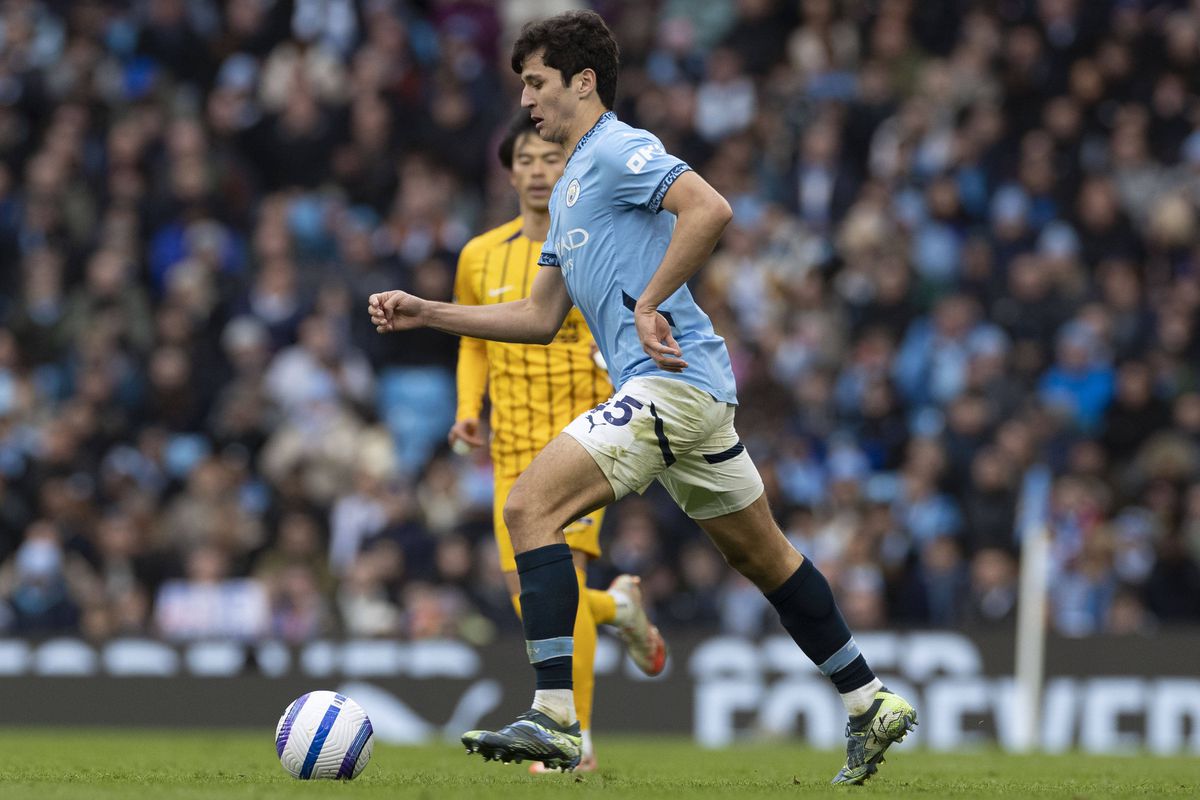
pixel 585 82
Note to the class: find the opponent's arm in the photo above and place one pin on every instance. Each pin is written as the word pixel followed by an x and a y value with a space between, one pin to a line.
pixel 472 371
pixel 701 216
pixel 531 320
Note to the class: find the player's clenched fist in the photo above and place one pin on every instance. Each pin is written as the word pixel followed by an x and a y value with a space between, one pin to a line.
pixel 395 311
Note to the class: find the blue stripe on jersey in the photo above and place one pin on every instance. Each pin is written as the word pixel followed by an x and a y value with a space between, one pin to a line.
pixel 318 742
pixel 548 260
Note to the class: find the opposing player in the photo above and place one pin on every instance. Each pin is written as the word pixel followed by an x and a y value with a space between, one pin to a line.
pixel 534 391
pixel 625 265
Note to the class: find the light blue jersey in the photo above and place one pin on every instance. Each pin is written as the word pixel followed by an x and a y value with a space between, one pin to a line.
pixel 608 237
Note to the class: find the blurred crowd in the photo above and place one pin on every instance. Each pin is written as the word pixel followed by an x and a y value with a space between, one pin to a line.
pixel 964 245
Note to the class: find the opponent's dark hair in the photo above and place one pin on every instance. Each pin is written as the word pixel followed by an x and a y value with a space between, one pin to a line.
pixel 520 125
pixel 572 42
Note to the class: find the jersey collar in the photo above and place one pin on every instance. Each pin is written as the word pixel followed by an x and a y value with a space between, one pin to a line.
pixel 605 118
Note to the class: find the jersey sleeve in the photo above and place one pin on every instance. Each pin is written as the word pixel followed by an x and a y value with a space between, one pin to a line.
pixel 549 255
pixel 639 170
pixel 472 371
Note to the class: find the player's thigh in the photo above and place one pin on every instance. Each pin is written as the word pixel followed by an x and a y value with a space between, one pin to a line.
pixel 562 484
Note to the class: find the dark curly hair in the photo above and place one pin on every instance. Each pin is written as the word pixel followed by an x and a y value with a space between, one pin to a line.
pixel 573 42
pixel 520 125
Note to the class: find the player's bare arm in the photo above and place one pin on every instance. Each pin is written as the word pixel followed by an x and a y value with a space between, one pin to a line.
pixel 702 214
pixel 535 319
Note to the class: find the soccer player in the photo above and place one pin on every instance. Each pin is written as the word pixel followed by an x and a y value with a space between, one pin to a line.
pixel 614 254
pixel 534 391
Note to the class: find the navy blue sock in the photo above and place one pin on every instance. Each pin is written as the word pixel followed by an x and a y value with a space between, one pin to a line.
pixel 549 602
pixel 809 613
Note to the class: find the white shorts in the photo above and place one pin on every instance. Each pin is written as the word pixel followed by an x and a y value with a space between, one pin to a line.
pixel 670 430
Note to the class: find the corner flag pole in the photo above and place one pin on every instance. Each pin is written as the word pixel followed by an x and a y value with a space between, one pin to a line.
pixel 1033 531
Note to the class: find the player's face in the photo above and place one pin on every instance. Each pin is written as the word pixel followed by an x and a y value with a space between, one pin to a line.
pixel 551 105
pixel 537 165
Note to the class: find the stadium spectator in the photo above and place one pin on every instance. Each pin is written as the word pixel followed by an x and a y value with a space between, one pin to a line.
pixel 208 603
pixel 963 243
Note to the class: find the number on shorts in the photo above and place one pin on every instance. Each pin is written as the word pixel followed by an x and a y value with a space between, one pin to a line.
pixel 627 404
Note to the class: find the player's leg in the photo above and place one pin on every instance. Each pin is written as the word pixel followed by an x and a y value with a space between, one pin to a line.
pixel 562 484
pixel 582 537
pixel 602 455
pixel 583 668
pixel 602 604
pixel 641 637
pixel 753 544
pixel 718 485
pixel 504 549
pixel 582 671
pixel 624 437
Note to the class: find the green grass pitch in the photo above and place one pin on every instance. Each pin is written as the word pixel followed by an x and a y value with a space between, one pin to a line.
pixel 52 764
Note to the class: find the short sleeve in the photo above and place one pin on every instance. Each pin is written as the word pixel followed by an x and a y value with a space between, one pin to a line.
pixel 639 170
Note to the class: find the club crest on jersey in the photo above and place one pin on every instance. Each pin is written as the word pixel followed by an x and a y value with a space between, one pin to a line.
pixel 572 192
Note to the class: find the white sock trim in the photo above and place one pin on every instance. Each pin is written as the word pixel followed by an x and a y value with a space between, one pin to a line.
pixel 858 701
pixel 557 704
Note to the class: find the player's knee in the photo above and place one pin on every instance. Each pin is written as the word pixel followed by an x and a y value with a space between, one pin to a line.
pixel 519 514
pixel 512 514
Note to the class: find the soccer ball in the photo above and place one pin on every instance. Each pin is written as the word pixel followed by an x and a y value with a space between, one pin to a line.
pixel 324 735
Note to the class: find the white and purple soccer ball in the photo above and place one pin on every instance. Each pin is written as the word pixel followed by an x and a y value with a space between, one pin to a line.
pixel 324 735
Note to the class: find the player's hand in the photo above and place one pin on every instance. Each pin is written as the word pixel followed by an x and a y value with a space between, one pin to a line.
pixel 395 311
pixel 466 432
pixel 657 341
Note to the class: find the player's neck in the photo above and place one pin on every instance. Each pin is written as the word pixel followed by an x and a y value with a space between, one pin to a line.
pixel 535 225
pixel 587 121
